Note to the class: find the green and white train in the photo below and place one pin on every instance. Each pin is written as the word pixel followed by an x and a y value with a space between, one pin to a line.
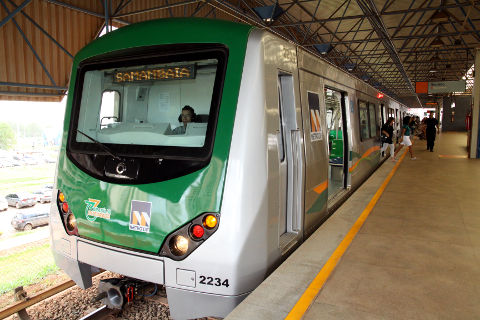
pixel 279 140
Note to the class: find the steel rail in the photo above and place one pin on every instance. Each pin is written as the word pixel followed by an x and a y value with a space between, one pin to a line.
pixel 98 314
pixel 21 305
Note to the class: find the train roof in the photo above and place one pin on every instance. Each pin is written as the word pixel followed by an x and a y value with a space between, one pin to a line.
pixel 167 31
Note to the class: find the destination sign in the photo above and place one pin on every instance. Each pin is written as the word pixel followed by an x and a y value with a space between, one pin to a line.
pixel 165 73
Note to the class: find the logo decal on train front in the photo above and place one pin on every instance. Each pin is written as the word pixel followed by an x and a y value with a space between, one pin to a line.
pixel 92 211
pixel 140 216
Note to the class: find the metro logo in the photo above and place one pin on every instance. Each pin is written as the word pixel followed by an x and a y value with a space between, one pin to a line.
pixel 314 107
pixel 92 211
pixel 140 216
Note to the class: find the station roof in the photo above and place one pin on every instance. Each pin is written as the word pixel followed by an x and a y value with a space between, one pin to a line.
pixel 392 44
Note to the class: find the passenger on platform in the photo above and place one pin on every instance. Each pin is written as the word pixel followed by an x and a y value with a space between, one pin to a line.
pixel 431 131
pixel 187 115
pixel 412 125
pixel 424 128
pixel 387 136
pixel 405 139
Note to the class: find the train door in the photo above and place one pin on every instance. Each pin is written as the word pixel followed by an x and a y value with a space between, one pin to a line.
pixel 290 164
pixel 316 158
pixel 337 140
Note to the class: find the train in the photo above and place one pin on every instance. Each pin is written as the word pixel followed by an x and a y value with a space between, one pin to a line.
pixel 198 154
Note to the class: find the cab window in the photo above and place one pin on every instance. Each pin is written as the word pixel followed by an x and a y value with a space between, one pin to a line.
pixel 109 108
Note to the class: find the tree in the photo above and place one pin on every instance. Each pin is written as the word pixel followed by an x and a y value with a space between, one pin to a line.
pixel 33 130
pixel 7 137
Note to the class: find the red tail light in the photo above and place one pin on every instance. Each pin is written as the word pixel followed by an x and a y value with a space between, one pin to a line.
pixel 197 231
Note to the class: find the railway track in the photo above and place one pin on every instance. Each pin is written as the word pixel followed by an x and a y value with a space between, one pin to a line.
pixel 67 301
pixel 20 306
pixel 102 313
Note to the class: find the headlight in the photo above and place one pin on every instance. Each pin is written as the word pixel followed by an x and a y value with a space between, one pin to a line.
pixel 179 245
pixel 71 222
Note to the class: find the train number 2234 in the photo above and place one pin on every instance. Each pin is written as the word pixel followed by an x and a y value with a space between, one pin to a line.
pixel 210 281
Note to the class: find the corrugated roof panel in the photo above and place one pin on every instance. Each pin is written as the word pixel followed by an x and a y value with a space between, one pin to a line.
pixel 18 63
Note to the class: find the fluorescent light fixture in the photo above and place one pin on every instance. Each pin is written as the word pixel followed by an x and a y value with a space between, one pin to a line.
pixel 269 13
pixel 323 48
pixel 437 42
pixel 350 66
pixel 440 16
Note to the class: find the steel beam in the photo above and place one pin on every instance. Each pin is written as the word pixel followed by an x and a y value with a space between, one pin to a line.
pixel 35 86
pixel 14 12
pixel 199 7
pixel 399 38
pixel 425 62
pixel 383 13
pixel 121 6
pixel 43 31
pixel 29 45
pixel 301 23
pixel 91 13
pixel 168 6
pixel 402 27
pixel 368 7
pixel 36 94
pixel 349 49
pixel 106 10
pixel 310 26
pixel 420 52
pixel 330 17
pixel 468 18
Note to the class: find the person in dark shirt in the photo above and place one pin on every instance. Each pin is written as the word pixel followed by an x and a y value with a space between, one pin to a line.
pixel 187 115
pixel 431 130
pixel 387 135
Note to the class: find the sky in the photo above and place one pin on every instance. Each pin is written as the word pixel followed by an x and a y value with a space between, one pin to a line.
pixel 48 113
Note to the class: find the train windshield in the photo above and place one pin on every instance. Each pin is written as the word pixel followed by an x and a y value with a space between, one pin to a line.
pixel 164 104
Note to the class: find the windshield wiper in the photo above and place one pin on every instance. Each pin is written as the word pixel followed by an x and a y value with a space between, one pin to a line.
pixel 104 147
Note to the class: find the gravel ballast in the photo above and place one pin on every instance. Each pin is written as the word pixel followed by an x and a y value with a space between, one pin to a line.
pixel 75 303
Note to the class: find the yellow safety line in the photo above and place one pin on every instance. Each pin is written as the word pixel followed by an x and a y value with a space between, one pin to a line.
pixel 452 156
pixel 314 288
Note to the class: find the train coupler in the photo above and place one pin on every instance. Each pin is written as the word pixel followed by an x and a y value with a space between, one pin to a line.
pixel 115 293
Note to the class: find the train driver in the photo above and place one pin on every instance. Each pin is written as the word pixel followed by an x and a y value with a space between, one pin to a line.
pixel 187 115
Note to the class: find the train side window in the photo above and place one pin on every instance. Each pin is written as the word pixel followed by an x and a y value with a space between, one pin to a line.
pixel 373 120
pixel 109 108
pixel 363 117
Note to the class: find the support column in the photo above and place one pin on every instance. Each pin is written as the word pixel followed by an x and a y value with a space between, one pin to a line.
pixel 474 147
pixel 437 111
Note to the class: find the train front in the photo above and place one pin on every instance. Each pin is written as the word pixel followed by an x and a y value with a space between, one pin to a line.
pixel 142 165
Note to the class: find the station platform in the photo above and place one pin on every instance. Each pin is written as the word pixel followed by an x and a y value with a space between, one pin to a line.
pixel 405 245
